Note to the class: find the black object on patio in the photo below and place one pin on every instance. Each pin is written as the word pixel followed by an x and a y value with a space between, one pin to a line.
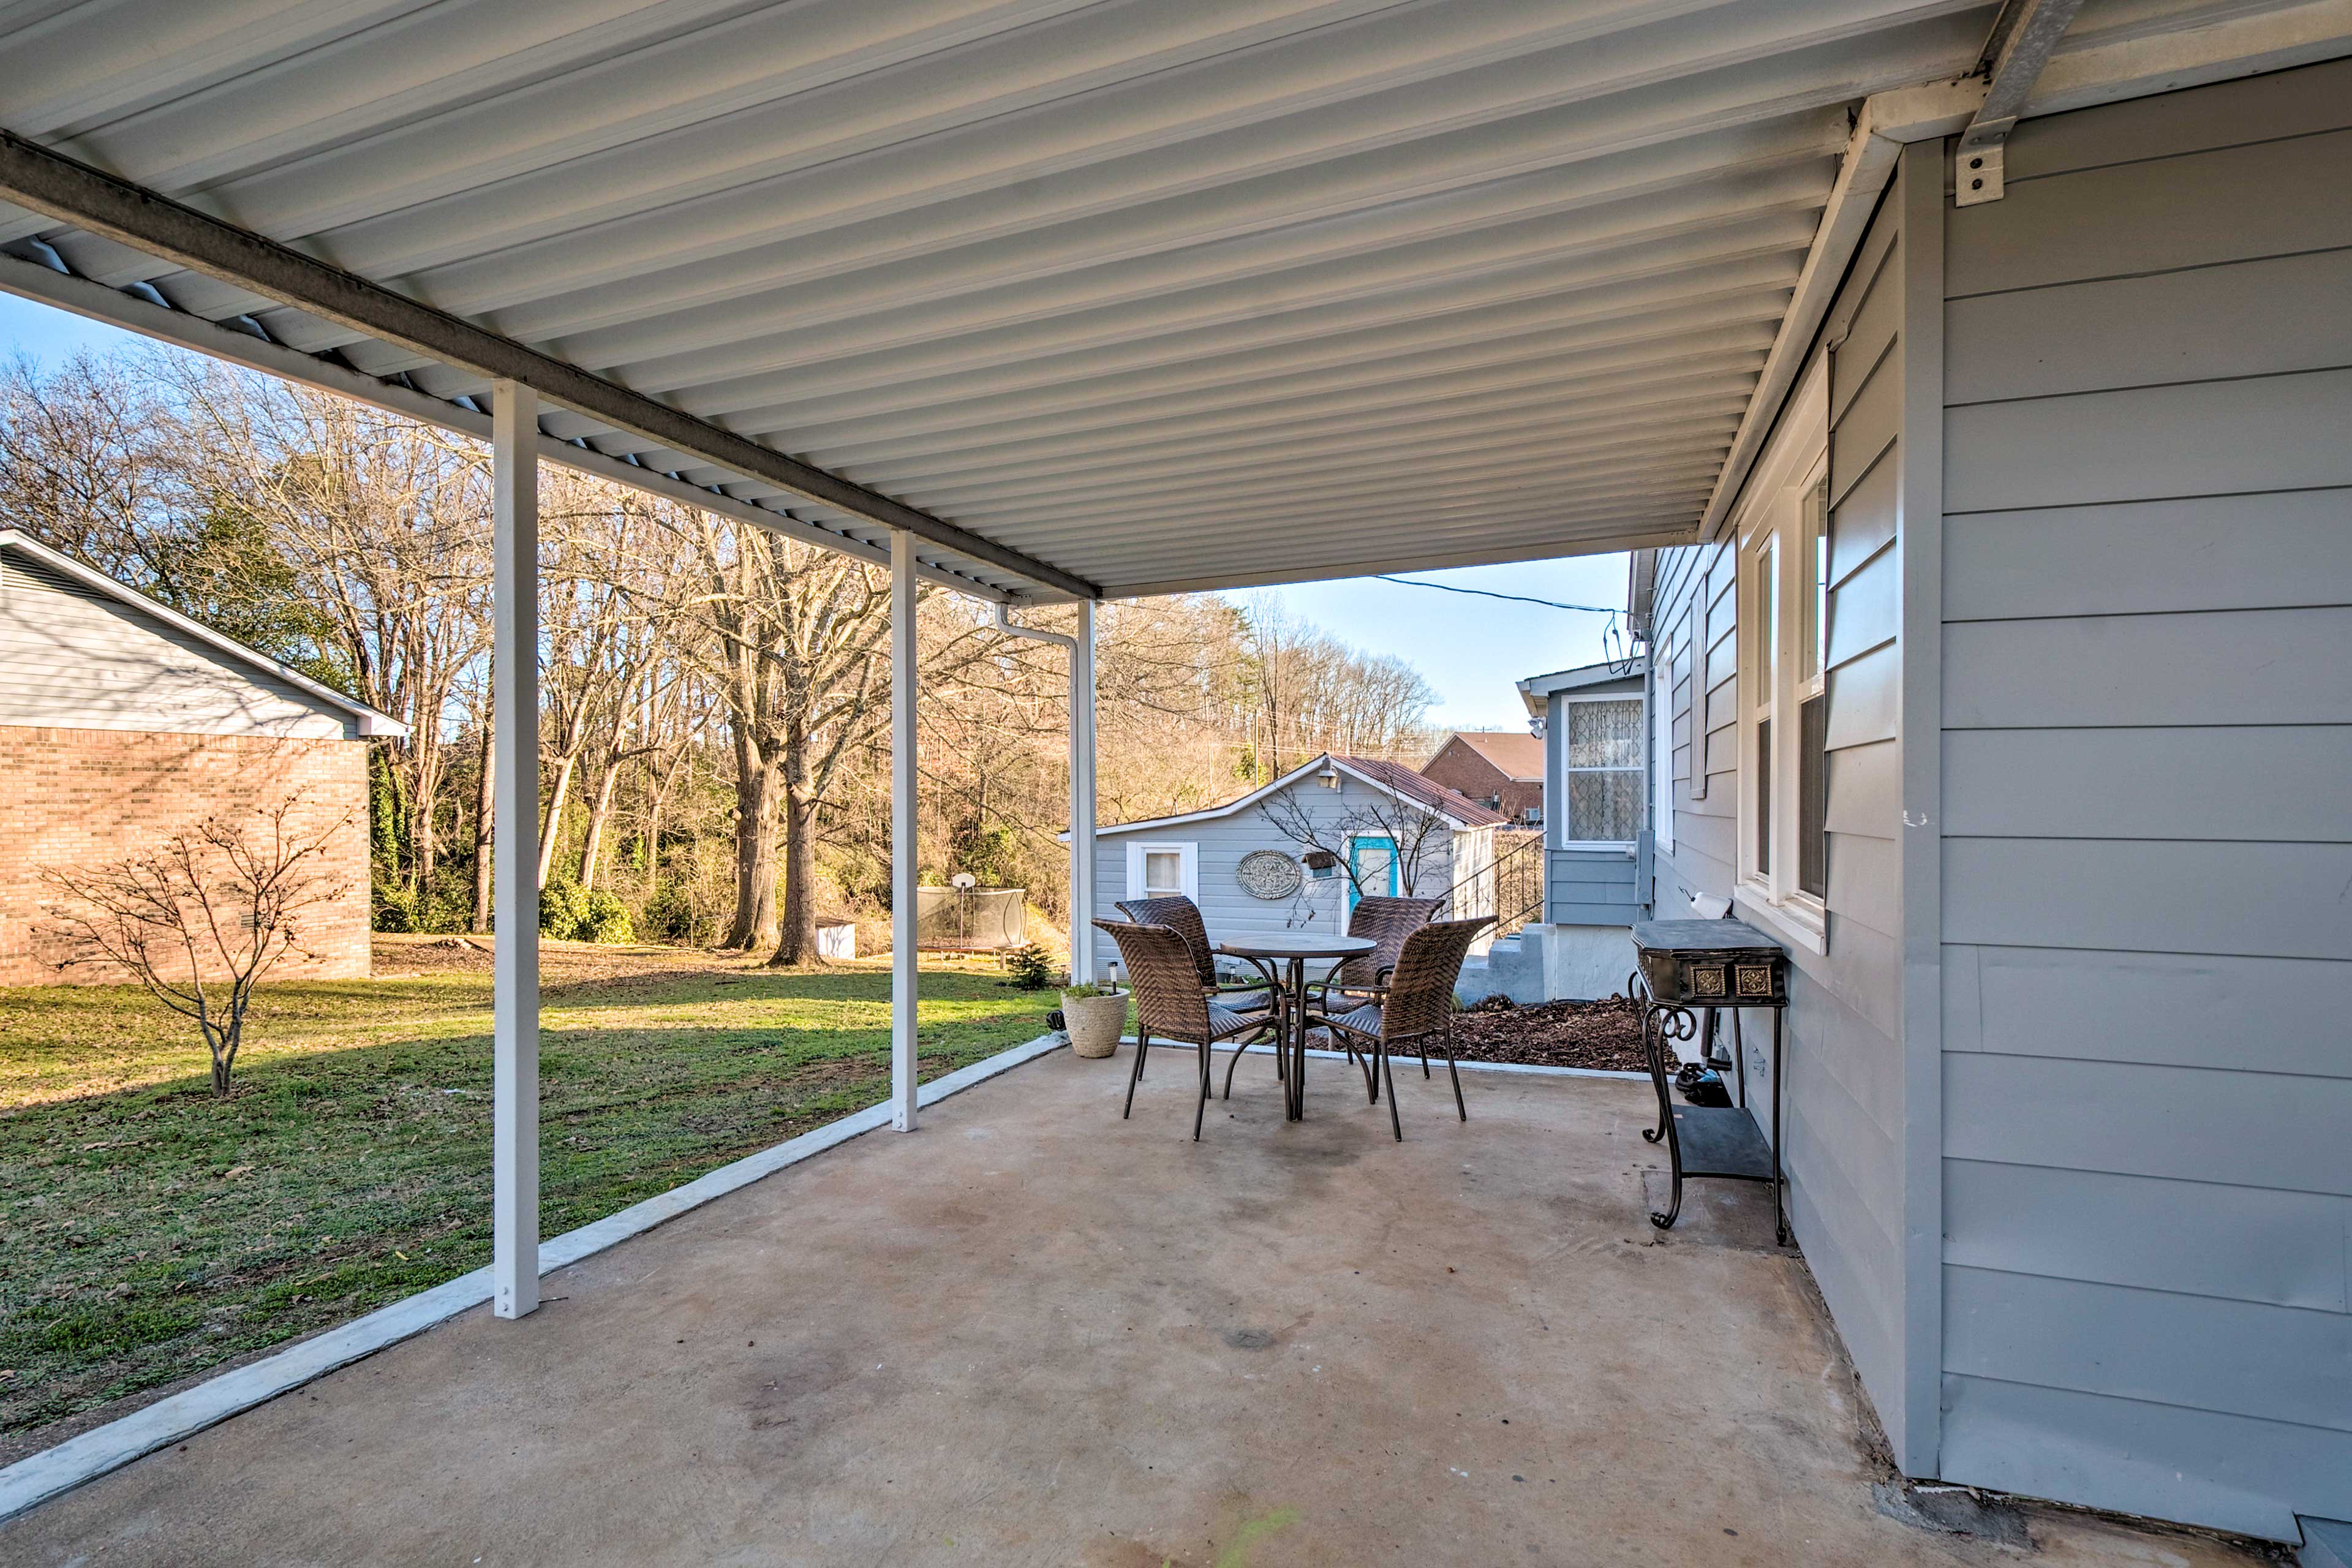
pixel 1690 967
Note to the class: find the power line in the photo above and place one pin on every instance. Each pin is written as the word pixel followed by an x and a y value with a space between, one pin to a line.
pixel 1490 593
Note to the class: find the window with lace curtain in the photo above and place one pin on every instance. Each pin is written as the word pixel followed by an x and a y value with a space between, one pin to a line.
pixel 1601 758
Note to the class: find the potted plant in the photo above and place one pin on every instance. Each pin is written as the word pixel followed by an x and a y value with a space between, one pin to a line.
pixel 1096 1016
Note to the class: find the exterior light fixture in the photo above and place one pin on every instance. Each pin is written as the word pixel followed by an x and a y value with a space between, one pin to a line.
pixel 1329 777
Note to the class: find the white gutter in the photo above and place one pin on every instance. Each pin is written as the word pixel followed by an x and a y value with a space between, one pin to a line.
pixel 2081 78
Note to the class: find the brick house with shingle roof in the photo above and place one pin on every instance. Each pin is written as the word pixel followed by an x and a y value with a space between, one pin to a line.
pixel 1501 769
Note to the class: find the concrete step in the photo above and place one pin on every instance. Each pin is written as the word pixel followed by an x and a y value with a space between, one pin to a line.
pixel 2326 1542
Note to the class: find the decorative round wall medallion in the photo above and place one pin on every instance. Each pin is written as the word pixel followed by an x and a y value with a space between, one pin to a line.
pixel 1268 874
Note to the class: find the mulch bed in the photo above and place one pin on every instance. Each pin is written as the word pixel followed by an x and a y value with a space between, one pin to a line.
pixel 1605 1033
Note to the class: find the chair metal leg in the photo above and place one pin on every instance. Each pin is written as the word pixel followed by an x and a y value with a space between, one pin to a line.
pixel 1240 1048
pixel 1455 1074
pixel 1142 1050
pixel 1202 1109
pixel 1396 1123
pixel 1425 1056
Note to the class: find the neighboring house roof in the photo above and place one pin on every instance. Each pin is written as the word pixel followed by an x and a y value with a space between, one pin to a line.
pixel 1390 778
pixel 1398 779
pixel 1517 753
pixel 367 720
pixel 1536 687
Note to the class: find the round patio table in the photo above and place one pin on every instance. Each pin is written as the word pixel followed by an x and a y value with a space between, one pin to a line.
pixel 1293 948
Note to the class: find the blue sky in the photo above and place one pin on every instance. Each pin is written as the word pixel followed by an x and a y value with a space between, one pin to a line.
pixel 1470 650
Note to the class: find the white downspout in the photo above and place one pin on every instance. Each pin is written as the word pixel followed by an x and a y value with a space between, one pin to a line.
pixel 1081 649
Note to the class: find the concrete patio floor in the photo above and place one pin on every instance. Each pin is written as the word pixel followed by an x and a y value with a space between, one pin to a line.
pixel 1033 1333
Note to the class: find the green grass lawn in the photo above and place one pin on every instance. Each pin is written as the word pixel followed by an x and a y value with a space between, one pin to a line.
pixel 149 1231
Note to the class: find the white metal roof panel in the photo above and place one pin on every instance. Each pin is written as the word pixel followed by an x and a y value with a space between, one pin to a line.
pixel 1164 296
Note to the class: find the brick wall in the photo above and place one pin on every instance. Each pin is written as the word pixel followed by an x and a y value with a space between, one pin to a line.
pixel 78 798
pixel 1459 768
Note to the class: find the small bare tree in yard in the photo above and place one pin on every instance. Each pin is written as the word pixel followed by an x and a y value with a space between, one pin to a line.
pixel 201 919
pixel 1413 833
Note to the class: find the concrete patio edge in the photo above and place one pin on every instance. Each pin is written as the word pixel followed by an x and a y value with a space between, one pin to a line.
pixel 37 1477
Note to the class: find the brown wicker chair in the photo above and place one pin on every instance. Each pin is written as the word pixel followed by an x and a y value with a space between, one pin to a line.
pixel 1182 916
pixel 1388 922
pixel 1170 1002
pixel 1414 1004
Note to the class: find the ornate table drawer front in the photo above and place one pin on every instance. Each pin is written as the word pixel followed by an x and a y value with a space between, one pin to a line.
pixel 1712 967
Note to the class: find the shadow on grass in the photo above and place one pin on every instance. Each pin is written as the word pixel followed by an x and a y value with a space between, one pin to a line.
pixel 155 1231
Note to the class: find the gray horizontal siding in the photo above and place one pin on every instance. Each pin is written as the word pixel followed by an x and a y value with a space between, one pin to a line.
pixel 2254 1359
pixel 2200 1010
pixel 2152 443
pixel 2153 1233
pixel 2029 1437
pixel 71 660
pixel 1585 887
pixel 2285 549
pixel 2147 711
pixel 2243 1127
pixel 2215 783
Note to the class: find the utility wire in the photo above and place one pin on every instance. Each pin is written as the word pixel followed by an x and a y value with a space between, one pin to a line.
pixel 1490 594
pixel 1616 653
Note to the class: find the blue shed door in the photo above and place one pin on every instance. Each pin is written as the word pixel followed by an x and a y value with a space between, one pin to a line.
pixel 1374 861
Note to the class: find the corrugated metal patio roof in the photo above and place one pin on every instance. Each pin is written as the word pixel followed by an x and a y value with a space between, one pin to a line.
pixel 1162 295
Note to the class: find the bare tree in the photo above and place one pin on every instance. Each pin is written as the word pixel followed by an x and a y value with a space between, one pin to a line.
pixel 382 521
pixel 1414 830
pixel 793 641
pixel 203 918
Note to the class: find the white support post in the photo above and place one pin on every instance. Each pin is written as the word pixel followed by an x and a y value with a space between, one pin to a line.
pixel 1081 798
pixel 514 678
pixel 902 831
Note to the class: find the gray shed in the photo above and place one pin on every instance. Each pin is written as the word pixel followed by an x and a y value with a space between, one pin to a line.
pixel 1360 806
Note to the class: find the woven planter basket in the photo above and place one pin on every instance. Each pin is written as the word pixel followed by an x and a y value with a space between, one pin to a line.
pixel 1095 1023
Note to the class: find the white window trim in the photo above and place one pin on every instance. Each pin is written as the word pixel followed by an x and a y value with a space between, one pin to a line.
pixel 1774 511
pixel 1188 853
pixel 1566 814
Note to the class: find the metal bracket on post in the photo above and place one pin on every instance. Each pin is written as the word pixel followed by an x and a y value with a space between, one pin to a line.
pixel 2023 38
pixel 1977 171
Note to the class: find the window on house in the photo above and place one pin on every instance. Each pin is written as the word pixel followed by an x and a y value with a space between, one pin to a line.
pixel 1163 873
pixel 1784 644
pixel 1813 698
pixel 1161 870
pixel 1603 764
pixel 1759 616
pixel 1661 742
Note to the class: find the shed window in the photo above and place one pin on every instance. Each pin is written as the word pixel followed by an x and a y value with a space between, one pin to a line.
pixel 1162 871
pixel 1603 764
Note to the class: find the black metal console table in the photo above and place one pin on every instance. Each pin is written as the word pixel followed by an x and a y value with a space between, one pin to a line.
pixel 1690 967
